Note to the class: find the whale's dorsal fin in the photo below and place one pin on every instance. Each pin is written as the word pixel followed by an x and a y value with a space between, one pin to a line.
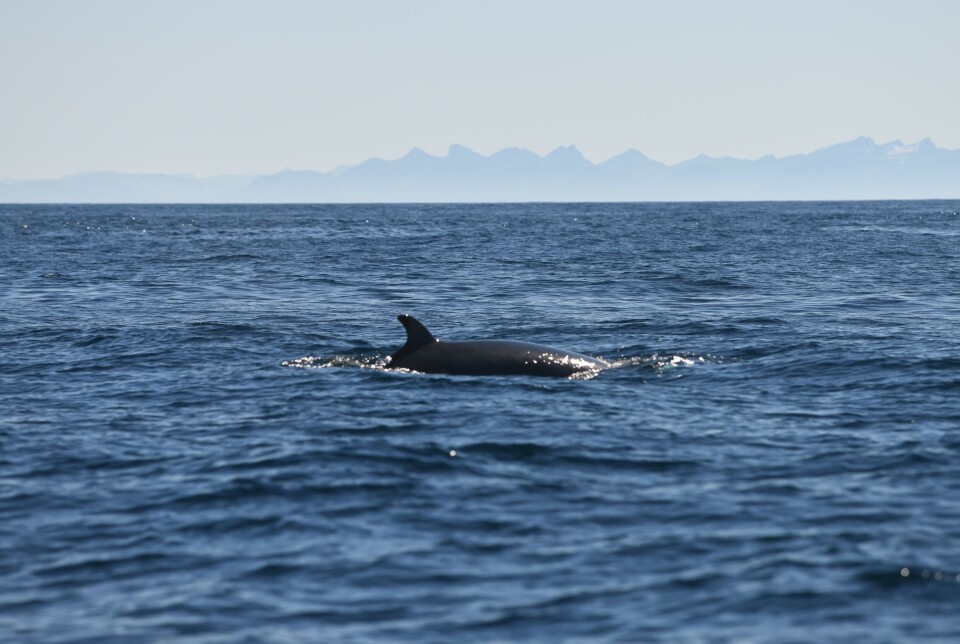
pixel 417 334
pixel 417 337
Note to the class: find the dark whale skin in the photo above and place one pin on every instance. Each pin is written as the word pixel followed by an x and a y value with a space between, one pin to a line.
pixel 426 354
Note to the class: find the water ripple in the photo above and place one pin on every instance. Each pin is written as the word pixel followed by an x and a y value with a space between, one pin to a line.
pixel 773 457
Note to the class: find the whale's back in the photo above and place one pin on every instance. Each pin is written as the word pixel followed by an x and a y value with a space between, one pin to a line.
pixel 497 358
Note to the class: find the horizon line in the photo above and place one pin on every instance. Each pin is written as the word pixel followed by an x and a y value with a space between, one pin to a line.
pixel 462 203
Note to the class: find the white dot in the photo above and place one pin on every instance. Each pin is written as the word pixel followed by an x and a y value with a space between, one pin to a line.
pixel 904 572
pixel 453 453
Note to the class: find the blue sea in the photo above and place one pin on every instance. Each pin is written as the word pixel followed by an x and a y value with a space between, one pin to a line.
pixel 198 440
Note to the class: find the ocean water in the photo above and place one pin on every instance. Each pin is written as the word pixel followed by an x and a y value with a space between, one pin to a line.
pixel 198 441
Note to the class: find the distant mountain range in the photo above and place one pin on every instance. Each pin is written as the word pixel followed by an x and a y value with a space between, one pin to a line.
pixel 858 169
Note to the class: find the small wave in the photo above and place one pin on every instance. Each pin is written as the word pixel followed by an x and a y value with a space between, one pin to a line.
pixel 221 327
pixel 375 362
pixel 659 362
pixel 378 363
pixel 887 577
pixel 235 257
pixel 901 229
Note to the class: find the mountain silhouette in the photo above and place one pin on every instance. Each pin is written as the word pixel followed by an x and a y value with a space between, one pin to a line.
pixel 857 169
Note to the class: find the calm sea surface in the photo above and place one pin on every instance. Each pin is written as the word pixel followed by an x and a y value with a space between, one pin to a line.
pixel 197 441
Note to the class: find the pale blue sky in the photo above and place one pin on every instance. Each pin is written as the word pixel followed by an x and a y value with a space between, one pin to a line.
pixel 233 86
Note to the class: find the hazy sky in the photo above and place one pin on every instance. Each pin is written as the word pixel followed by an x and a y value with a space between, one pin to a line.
pixel 234 86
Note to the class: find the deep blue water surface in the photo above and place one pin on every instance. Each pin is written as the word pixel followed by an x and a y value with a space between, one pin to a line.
pixel 196 441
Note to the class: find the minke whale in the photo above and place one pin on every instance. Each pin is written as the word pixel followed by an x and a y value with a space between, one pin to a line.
pixel 424 353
